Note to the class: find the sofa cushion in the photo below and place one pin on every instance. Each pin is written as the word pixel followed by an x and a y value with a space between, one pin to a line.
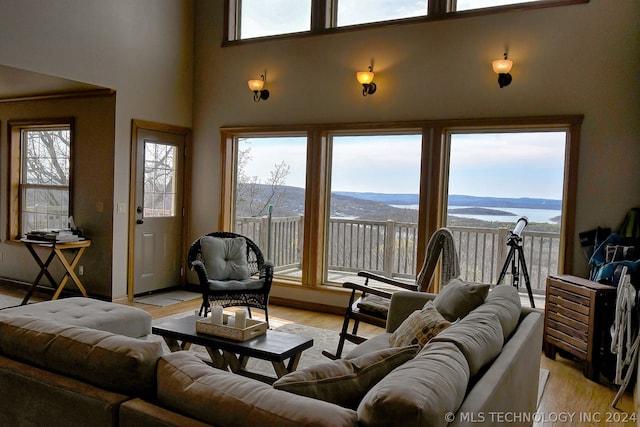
pixel 377 343
pixel 458 298
pixel 35 397
pixel 345 382
pixel 420 327
pixel 225 258
pixel 113 362
pixel 188 385
pixel 420 392
pixel 504 301
pixel 478 336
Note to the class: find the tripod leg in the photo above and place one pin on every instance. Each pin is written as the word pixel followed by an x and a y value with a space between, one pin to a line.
pixel 525 273
pixel 505 266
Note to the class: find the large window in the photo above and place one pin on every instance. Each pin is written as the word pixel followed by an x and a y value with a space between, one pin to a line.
pixel 325 202
pixel 259 19
pixel 496 178
pixel 373 214
pixel 41 157
pixel 270 175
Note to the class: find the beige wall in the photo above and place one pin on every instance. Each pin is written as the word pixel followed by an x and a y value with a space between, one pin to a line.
pixel 580 59
pixel 93 185
pixel 141 48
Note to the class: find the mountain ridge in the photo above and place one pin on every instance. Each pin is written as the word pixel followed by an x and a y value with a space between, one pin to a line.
pixel 459 200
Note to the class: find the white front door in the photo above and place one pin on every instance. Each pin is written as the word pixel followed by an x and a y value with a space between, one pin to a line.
pixel 159 186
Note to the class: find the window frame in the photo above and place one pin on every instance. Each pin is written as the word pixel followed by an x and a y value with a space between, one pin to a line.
pixel 324 16
pixel 433 180
pixel 16 149
pixel 328 178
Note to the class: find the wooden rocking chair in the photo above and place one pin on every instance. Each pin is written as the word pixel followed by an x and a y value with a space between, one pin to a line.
pixel 370 305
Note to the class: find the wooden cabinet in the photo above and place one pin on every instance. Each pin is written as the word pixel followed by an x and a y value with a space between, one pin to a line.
pixel 578 315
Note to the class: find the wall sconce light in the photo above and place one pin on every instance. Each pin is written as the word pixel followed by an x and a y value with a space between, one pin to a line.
pixel 366 80
pixel 502 68
pixel 256 86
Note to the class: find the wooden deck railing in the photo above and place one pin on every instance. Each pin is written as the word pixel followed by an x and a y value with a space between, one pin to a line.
pixel 356 245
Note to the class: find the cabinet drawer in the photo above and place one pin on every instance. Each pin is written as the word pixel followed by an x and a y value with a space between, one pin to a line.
pixel 580 302
pixel 568 309
pixel 567 326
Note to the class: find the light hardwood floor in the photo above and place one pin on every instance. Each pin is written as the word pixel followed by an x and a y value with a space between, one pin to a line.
pixel 569 398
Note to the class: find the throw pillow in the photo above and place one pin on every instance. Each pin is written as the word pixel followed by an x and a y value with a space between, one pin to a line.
pixel 225 258
pixel 458 298
pixel 344 382
pixel 419 327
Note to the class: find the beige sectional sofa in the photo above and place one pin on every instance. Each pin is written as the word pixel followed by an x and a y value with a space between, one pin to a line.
pixel 485 363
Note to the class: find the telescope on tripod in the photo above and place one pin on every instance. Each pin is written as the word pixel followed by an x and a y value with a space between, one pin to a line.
pixel 515 259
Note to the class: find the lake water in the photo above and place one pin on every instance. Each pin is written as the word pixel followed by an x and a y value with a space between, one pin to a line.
pixel 533 215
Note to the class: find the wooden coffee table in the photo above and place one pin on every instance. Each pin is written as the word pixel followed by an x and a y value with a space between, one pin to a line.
pixel 282 349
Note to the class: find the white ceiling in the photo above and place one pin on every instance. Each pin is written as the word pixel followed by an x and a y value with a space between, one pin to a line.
pixel 18 83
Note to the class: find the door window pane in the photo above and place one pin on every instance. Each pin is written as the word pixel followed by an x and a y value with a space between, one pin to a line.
pixel 159 180
pixel 495 179
pixel 270 197
pixel 375 184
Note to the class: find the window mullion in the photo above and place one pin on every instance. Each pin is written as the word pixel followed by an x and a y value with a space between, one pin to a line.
pixel 438 8
pixel 321 15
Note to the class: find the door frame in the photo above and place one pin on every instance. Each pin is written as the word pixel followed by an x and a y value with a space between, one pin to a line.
pixel 136 125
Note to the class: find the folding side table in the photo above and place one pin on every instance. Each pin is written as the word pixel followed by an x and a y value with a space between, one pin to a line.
pixel 56 250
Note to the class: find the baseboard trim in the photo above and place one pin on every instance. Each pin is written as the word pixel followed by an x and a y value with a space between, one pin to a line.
pixel 306 305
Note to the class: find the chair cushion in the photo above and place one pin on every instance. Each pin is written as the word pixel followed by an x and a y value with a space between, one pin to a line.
pixel 345 382
pixel 458 298
pixel 420 327
pixel 375 305
pixel 235 285
pixel 225 258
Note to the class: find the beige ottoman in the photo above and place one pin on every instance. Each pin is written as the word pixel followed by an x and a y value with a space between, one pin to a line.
pixel 92 313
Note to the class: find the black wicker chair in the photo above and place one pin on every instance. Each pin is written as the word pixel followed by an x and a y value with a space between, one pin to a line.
pixel 247 289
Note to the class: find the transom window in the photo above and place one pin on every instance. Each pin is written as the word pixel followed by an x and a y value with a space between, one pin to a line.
pixel 353 12
pixel 460 5
pixel 258 19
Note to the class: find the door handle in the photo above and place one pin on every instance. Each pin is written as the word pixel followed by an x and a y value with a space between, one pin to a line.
pixel 139 212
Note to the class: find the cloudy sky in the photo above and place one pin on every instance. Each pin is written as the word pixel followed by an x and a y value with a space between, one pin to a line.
pixel 487 164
